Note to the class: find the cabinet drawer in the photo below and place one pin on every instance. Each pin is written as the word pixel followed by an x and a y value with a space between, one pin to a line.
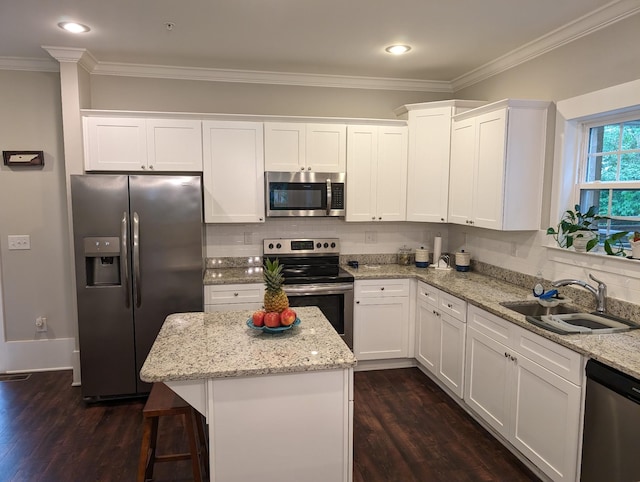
pixel 490 325
pixel 428 293
pixel 556 358
pixel 382 288
pixel 453 306
pixel 242 293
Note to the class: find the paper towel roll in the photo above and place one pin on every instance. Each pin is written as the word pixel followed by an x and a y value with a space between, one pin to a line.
pixel 437 249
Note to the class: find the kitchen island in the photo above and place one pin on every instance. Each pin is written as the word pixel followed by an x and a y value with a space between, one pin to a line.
pixel 279 406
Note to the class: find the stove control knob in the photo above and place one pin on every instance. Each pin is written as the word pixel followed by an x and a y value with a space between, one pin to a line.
pixel 270 245
pixel 278 246
pixel 333 245
pixel 319 245
pixel 326 245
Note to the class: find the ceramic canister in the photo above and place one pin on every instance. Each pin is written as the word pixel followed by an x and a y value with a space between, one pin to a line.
pixel 463 261
pixel 422 257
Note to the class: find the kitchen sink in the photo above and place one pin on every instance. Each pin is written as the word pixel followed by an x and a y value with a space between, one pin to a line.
pixel 533 308
pixel 566 320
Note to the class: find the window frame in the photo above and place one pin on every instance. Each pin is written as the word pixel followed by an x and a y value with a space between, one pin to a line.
pixel 583 161
pixel 571 114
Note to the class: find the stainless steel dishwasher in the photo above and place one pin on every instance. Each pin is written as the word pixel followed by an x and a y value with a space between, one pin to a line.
pixel 611 426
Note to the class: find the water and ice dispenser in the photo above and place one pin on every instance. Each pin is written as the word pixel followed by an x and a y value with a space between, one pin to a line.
pixel 102 261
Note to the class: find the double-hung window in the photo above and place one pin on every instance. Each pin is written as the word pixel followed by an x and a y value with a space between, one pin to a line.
pixel 609 172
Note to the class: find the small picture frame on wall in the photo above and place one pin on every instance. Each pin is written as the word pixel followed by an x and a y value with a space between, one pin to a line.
pixel 23 158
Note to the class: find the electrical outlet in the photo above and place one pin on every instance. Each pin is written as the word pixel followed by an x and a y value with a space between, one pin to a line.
pixel 370 237
pixel 41 324
pixel 19 241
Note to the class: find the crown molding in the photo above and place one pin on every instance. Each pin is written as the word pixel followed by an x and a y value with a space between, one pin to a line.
pixel 266 77
pixel 73 55
pixel 581 27
pixel 33 65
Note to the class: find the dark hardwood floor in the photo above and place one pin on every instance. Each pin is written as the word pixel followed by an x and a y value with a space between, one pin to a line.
pixel 405 429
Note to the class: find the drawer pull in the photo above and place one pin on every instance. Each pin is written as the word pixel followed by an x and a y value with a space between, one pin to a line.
pixel 449 305
pixel 382 288
pixel 235 294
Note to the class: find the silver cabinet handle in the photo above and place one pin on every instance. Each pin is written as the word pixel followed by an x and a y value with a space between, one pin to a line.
pixel 136 257
pixel 124 252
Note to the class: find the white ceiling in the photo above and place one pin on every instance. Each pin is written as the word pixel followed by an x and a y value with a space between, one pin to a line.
pixel 450 38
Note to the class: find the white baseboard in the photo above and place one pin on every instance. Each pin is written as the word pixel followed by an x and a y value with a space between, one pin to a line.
pixel 366 365
pixel 40 355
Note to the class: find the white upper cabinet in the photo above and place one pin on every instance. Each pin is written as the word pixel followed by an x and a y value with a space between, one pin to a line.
pixel 429 151
pixel 376 173
pixel 290 147
pixel 174 145
pixel 142 144
pixel 497 165
pixel 233 172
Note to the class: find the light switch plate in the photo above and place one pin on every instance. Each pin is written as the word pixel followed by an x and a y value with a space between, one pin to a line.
pixel 19 241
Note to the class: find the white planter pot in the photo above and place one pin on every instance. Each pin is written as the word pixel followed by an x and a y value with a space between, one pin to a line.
pixel 580 242
pixel 635 249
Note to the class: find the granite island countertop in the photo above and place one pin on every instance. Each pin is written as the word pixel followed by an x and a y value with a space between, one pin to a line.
pixel 195 346
pixel 618 350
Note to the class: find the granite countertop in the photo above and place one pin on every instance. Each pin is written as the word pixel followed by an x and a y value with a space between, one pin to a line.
pixel 618 350
pixel 195 346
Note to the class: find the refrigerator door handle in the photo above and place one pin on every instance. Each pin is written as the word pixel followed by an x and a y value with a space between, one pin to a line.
pixel 136 257
pixel 124 243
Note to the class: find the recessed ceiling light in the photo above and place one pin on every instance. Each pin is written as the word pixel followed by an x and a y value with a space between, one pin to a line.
pixel 398 49
pixel 73 27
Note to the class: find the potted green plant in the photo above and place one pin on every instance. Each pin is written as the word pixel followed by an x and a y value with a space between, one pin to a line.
pixel 580 230
pixel 577 226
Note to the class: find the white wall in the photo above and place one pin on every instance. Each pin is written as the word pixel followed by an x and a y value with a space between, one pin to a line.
pixel 128 93
pixel 33 202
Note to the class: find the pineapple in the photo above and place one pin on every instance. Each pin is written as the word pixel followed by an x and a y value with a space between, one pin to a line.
pixel 275 299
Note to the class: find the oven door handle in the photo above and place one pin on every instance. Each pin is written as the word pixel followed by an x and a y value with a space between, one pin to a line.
pixel 325 289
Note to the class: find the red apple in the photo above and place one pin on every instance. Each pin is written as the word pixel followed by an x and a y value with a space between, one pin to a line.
pixel 272 319
pixel 287 317
pixel 258 318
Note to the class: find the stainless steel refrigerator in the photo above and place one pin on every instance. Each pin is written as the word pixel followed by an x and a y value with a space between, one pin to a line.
pixel 138 258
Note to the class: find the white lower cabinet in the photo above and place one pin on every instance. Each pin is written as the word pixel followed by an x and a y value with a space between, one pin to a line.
pixel 533 401
pixel 233 297
pixel 381 319
pixel 440 341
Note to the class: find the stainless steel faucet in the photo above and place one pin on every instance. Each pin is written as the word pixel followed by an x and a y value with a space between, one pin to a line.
pixel 600 292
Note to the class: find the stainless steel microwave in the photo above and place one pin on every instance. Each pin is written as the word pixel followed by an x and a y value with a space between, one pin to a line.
pixel 305 194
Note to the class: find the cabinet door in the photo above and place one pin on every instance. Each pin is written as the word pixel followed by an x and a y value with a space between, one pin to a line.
pixel 488 191
pixel 546 414
pixel 428 343
pixel 487 389
pixel 461 171
pixel 326 147
pixel 362 173
pixel 452 349
pixel 428 167
pixel 233 172
pixel 174 145
pixel 391 186
pixel 381 328
pixel 115 144
pixel 284 147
